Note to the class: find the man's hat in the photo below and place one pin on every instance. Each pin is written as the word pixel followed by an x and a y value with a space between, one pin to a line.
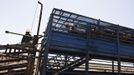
pixel 28 31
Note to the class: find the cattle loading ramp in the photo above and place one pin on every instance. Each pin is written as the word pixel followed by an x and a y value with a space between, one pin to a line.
pixel 80 45
pixel 73 44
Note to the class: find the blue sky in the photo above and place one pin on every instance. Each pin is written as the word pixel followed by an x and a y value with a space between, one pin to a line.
pixel 17 15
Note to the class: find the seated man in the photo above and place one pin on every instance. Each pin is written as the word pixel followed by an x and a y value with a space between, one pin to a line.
pixel 27 38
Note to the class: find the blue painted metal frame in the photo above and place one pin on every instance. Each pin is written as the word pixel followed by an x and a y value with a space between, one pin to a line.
pixel 58 36
pixel 68 40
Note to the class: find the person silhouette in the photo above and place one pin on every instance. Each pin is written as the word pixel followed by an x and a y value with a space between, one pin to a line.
pixel 27 38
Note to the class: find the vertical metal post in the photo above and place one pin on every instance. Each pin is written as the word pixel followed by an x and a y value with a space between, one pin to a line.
pixel 118 49
pixel 113 66
pixel 36 37
pixel 86 64
pixel 44 61
pixel 41 10
pixel 43 70
pixel 65 60
pixel 88 48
